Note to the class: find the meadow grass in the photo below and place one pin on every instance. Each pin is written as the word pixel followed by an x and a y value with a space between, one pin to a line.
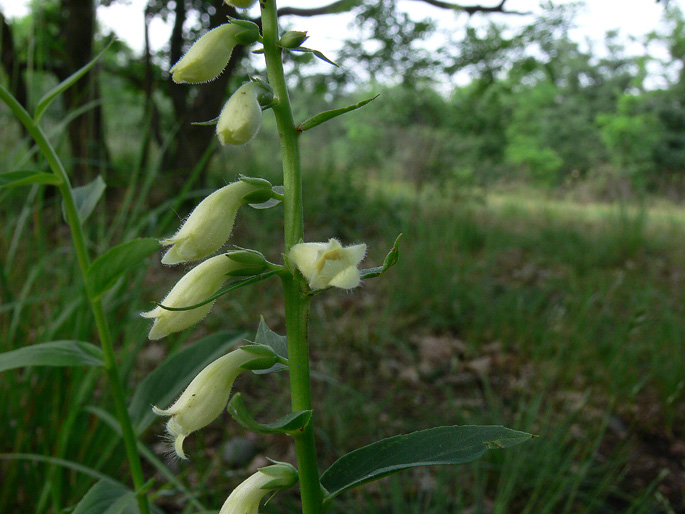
pixel 560 319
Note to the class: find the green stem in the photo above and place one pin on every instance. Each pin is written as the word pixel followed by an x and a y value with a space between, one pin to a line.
pixel 105 334
pixel 296 303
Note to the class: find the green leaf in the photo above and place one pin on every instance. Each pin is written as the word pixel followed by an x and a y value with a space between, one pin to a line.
pixel 28 177
pixel 106 269
pixel 48 98
pixel 167 381
pixel 55 353
pixel 389 261
pixel 317 53
pixel 86 198
pixel 288 424
pixel 106 497
pixel 329 115
pixel 278 343
pixel 236 284
pixel 442 445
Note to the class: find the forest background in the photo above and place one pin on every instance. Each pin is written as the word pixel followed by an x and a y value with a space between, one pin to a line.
pixel 541 284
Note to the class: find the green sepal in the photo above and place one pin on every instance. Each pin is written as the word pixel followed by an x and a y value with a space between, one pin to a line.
pixel 246 24
pixel 389 261
pixel 279 344
pixel 255 181
pixel 273 201
pixel 323 117
pixel 28 177
pixel 246 256
pixel 265 357
pixel 285 475
pixel 293 39
pixel 265 96
pixel 289 424
pixel 202 123
pixel 258 197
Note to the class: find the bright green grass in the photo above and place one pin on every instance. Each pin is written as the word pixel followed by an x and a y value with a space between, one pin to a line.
pixel 561 319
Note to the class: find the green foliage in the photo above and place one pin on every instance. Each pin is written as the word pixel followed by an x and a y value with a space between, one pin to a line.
pixel 441 445
pixel 55 353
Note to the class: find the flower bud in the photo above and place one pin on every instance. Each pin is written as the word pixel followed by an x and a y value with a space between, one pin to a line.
pixel 241 117
pixel 241 4
pixel 206 396
pixel 328 264
pixel 210 224
pixel 293 39
pixel 210 54
pixel 246 497
pixel 196 286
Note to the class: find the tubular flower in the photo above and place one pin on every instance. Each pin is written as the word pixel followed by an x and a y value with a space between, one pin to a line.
pixel 197 285
pixel 210 224
pixel 241 117
pixel 207 395
pixel 210 54
pixel 246 497
pixel 328 264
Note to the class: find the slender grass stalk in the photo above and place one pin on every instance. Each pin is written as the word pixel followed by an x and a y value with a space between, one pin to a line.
pixel 296 304
pixel 104 332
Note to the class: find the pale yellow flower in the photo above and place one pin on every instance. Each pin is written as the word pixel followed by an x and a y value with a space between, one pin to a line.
pixel 328 264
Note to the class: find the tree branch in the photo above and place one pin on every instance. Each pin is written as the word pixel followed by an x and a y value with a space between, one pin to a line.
pixel 348 5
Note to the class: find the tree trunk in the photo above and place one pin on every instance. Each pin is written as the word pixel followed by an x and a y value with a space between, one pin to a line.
pixel 194 140
pixel 86 131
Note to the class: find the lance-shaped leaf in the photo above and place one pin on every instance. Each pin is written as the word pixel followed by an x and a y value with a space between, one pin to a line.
pixel 170 378
pixel 106 269
pixel 236 284
pixel 288 424
pixel 322 117
pixel 389 261
pixel 86 198
pixel 106 497
pixel 441 445
pixel 48 98
pixel 28 177
pixel 317 53
pixel 55 353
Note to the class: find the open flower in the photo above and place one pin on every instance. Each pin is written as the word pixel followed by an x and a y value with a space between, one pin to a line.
pixel 328 264
pixel 197 285
pixel 210 224
pixel 246 497
pixel 207 395
pixel 210 54
pixel 241 117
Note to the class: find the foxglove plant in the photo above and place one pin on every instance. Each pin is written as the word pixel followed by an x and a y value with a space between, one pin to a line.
pixel 309 268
